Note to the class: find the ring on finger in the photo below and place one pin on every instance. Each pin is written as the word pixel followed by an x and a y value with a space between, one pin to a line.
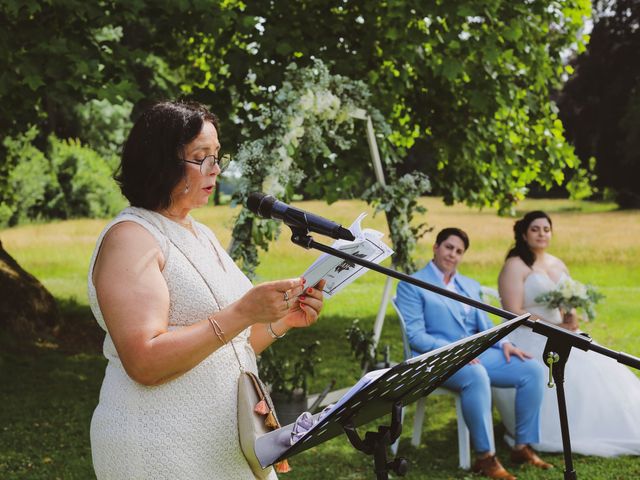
pixel 286 299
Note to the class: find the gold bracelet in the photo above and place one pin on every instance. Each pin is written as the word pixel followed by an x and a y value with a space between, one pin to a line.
pixel 216 329
pixel 274 334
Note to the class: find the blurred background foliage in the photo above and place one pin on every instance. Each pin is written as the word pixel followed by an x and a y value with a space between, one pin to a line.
pixel 466 86
pixel 465 96
pixel 600 104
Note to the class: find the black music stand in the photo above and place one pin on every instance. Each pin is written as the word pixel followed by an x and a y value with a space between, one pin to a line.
pixel 556 352
pixel 400 385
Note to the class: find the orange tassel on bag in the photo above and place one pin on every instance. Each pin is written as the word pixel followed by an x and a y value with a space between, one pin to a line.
pixel 283 467
pixel 261 407
pixel 271 421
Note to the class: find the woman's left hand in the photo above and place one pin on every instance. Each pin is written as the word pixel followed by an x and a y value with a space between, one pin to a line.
pixel 305 310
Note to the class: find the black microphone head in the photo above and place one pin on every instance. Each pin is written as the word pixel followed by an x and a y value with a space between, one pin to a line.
pixel 261 204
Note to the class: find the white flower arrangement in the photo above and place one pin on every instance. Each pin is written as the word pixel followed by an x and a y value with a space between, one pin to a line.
pixel 570 294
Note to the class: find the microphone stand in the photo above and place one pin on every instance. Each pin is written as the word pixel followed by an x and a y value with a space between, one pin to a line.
pixel 556 351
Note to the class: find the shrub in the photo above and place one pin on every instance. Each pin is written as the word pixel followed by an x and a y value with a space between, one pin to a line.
pixel 86 180
pixel 29 187
pixel 68 180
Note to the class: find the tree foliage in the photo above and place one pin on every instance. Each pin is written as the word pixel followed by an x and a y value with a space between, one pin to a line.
pixel 469 81
pixel 465 85
pixel 65 180
pixel 600 104
pixel 57 55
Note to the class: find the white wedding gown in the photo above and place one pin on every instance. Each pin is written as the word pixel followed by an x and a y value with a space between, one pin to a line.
pixel 603 396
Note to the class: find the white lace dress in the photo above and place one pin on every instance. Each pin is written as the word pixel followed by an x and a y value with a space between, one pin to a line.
pixel 186 428
pixel 603 396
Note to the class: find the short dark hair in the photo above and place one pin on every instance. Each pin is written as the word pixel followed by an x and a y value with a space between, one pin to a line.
pixel 151 163
pixel 447 232
pixel 521 248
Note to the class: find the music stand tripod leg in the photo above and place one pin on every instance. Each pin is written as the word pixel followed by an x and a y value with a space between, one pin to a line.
pixel 376 443
pixel 555 356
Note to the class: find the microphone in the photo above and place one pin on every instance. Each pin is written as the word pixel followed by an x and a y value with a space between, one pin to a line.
pixel 267 206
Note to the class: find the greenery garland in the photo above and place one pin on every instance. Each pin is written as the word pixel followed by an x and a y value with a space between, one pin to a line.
pixel 311 117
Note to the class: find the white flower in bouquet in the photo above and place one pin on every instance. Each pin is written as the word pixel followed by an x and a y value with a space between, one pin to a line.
pixel 307 100
pixel 570 294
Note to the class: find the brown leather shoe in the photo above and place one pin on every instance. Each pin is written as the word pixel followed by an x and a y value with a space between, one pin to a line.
pixel 528 456
pixel 491 467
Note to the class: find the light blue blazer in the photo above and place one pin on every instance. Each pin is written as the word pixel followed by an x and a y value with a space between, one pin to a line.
pixel 433 320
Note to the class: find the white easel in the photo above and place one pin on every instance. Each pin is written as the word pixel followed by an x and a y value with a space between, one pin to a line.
pixel 335 395
pixel 377 168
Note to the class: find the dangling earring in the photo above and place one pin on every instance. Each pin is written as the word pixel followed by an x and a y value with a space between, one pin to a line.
pixel 186 188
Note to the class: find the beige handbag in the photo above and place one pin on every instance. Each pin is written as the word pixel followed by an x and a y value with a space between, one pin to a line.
pixel 256 417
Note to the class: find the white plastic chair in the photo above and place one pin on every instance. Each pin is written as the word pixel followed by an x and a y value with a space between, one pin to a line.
pixel 487 293
pixel 464 449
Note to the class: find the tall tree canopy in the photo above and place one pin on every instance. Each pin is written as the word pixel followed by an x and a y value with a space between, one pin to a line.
pixel 600 104
pixel 469 80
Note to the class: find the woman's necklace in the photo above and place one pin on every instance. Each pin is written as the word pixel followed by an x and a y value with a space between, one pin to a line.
pixel 188 225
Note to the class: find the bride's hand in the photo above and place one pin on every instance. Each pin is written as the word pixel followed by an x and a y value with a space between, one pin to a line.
pixel 570 321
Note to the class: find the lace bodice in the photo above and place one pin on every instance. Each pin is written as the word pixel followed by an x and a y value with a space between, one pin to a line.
pixel 185 428
pixel 538 283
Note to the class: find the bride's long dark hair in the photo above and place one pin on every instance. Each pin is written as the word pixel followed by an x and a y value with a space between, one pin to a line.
pixel 521 249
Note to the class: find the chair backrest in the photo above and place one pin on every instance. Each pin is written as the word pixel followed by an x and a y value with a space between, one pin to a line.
pixel 488 293
pixel 403 328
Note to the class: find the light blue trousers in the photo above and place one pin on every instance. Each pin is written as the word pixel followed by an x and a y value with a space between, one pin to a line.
pixel 474 383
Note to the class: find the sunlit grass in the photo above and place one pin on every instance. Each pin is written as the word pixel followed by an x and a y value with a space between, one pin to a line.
pixel 599 244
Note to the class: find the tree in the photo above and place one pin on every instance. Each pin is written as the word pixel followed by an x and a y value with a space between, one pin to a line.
pixel 27 309
pixel 466 84
pixel 600 104
pixel 55 57
pixel 470 80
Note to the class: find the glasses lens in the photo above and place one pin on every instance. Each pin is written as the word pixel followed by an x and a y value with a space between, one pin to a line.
pixel 209 164
pixel 224 162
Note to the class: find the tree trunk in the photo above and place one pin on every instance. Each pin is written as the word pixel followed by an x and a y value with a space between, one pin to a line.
pixel 27 309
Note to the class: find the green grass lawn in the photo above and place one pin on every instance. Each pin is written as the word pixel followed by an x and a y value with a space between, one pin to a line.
pixel 49 391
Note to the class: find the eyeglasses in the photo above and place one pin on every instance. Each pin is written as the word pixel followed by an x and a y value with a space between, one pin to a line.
pixel 208 163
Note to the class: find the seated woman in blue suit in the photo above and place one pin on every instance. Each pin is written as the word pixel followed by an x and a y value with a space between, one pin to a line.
pixel 433 321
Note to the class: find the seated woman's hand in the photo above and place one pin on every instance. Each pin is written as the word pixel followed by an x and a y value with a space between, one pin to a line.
pixel 270 301
pixel 570 321
pixel 307 307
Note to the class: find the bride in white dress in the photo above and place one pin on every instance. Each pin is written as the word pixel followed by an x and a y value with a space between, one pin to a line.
pixel 603 396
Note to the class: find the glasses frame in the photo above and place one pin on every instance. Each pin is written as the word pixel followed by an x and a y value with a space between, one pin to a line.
pixel 221 161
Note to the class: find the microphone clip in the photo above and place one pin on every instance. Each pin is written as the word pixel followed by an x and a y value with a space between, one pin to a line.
pixel 300 236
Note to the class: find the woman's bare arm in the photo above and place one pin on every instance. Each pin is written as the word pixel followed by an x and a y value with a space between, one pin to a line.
pixel 511 285
pixel 134 300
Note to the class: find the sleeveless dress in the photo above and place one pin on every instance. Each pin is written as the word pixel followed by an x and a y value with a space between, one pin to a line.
pixel 603 396
pixel 186 428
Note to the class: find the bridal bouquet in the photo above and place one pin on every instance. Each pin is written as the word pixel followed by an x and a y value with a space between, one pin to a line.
pixel 571 294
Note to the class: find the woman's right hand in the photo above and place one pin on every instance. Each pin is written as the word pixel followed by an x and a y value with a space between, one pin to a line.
pixel 570 321
pixel 270 301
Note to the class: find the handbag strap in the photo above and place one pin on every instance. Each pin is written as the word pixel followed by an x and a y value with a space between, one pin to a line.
pixel 240 366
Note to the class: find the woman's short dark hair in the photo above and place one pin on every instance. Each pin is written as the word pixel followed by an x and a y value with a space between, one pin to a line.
pixel 151 164
pixel 521 248
pixel 447 232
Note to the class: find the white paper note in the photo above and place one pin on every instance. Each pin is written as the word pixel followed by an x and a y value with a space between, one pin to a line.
pixel 339 273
